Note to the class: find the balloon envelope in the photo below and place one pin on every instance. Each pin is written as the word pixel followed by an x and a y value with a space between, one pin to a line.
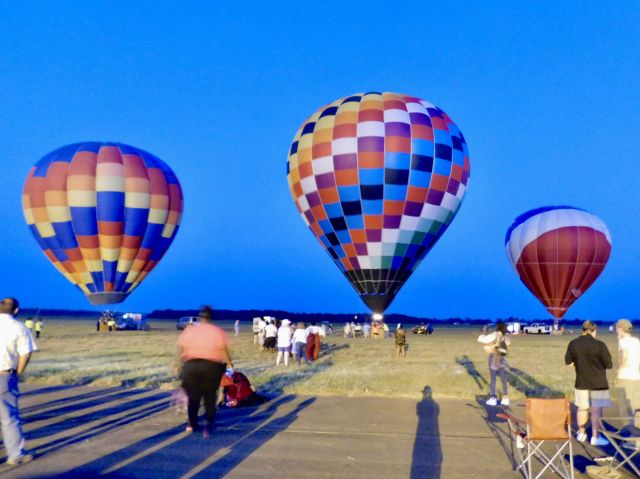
pixel 378 178
pixel 104 214
pixel 558 252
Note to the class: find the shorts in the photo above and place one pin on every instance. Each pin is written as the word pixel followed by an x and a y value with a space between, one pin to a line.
pixel 270 342
pixel 586 399
pixel 286 349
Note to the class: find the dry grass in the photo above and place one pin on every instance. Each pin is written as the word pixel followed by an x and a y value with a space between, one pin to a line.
pixel 451 362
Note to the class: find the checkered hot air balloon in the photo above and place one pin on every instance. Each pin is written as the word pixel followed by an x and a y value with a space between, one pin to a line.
pixel 104 214
pixel 558 252
pixel 378 178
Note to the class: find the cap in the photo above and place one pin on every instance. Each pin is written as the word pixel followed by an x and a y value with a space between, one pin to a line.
pixel 625 325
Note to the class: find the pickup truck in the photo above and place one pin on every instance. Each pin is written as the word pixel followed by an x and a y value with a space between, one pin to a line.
pixel 537 328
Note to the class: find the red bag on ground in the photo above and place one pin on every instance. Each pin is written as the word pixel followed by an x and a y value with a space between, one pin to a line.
pixel 237 388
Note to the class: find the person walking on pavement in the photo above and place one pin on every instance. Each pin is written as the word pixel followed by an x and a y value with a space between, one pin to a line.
pixel 591 359
pixel 16 346
pixel 204 352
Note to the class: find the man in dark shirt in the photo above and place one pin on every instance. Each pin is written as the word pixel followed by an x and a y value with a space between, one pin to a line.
pixel 591 359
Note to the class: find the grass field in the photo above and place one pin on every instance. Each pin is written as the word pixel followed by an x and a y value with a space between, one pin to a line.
pixel 450 362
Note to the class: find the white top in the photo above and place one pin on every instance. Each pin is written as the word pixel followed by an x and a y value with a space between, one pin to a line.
pixel 270 330
pixel 300 336
pixel 284 337
pixel 313 330
pixel 15 341
pixel 489 341
pixel 629 354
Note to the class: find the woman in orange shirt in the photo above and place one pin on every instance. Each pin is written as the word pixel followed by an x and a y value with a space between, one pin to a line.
pixel 205 354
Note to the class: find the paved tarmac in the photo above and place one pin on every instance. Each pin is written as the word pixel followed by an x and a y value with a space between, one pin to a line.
pixel 85 432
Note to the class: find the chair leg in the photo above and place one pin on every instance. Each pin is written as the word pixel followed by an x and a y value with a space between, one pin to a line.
pixel 571 458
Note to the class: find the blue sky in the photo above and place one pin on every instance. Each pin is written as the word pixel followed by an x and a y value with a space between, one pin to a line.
pixel 546 95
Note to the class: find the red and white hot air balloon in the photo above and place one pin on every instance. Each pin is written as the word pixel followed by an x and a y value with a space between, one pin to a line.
pixel 558 252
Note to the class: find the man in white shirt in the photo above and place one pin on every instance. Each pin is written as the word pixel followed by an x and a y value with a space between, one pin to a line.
pixel 628 377
pixel 270 332
pixel 16 346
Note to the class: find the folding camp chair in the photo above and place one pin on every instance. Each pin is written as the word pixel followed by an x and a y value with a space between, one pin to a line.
pixel 628 432
pixel 548 420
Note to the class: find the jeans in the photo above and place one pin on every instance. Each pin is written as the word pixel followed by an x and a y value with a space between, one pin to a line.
pixel 298 350
pixel 499 366
pixel 10 416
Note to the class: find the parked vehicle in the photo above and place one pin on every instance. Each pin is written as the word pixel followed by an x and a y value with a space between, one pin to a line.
pixel 537 328
pixel 185 321
pixel 132 322
pixel 423 329
pixel 514 328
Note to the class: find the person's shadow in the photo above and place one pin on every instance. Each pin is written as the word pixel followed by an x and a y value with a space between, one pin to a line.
pixel 427 453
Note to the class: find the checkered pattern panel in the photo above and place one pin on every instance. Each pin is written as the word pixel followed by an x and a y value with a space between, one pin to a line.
pixel 378 177
pixel 103 213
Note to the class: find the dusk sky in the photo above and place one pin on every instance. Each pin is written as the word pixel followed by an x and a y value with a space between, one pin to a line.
pixel 546 96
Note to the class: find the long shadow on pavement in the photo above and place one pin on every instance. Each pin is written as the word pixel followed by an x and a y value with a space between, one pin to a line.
pixel 427 453
pixel 122 393
pixel 104 413
pixel 174 453
pixel 68 399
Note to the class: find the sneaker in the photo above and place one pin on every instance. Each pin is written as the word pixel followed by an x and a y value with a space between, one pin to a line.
pixel 599 441
pixel 492 402
pixel 20 460
pixel 581 436
pixel 505 402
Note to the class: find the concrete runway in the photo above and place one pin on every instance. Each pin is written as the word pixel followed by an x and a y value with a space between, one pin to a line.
pixel 85 432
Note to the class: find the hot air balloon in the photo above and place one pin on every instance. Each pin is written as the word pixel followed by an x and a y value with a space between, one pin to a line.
pixel 378 178
pixel 104 214
pixel 558 252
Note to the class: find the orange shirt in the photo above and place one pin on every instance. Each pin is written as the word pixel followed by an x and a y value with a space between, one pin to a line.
pixel 203 341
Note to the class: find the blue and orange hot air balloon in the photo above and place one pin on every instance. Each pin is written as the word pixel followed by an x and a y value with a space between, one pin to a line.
pixel 378 178
pixel 104 214
pixel 558 252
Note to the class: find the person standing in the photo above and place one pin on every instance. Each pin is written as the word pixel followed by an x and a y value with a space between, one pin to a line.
pixel 347 330
pixel 496 345
pixel 313 337
pixel 299 341
pixel 236 327
pixel 16 346
pixel 262 325
pixel 591 359
pixel 38 327
pixel 270 334
pixel 385 329
pixel 628 376
pixel 284 342
pixel 366 330
pixel 204 351
pixel 401 341
pixel 29 324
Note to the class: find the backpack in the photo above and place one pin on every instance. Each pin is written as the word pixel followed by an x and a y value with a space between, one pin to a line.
pixel 501 345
